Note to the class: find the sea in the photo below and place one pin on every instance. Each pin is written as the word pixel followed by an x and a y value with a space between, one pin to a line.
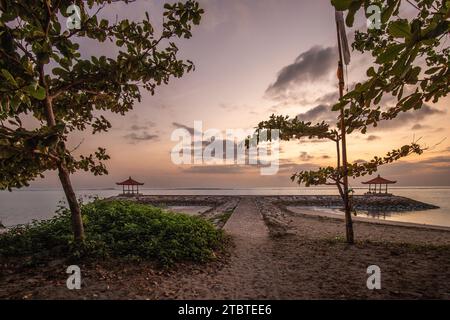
pixel 25 205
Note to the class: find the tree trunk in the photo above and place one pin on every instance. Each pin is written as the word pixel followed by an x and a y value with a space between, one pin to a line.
pixel 348 215
pixel 348 222
pixel 77 221
pixel 63 173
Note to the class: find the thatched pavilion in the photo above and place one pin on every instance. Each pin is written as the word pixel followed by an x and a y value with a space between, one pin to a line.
pixel 378 182
pixel 130 187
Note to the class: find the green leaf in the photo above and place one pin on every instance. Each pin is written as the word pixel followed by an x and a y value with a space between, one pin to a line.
pixel 8 76
pixel 389 10
pixel 432 70
pixel 400 29
pixel 354 7
pixel 390 53
pixel 6 152
pixel 35 91
pixel 341 5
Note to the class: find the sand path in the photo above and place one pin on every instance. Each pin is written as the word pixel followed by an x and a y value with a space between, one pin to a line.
pixel 252 264
pixel 251 272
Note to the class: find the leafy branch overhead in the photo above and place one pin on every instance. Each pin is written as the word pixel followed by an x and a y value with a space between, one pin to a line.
pixel 323 175
pixel 412 60
pixel 41 65
pixel 295 128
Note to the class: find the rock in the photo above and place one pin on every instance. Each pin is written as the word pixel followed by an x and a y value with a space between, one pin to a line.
pixel 375 203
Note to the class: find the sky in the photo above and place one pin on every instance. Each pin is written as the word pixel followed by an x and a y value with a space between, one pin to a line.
pixel 253 58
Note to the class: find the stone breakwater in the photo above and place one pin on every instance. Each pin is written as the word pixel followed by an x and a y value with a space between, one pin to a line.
pixel 367 203
pixel 273 208
pixel 388 203
pixel 179 200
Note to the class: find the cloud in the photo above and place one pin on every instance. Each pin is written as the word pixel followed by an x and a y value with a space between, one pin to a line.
pixel 139 125
pixel 411 116
pixel 419 126
pixel 439 159
pixel 329 98
pixel 319 113
pixel 286 168
pixel 313 140
pixel 323 112
pixel 136 127
pixel 178 125
pixel 216 169
pixel 304 156
pixel 373 138
pixel 311 65
pixel 432 171
pixel 134 137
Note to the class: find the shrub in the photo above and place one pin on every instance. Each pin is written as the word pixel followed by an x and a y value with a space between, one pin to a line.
pixel 118 229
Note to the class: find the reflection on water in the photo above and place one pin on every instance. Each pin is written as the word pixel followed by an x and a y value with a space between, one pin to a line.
pixel 189 210
pixel 22 206
pixel 437 217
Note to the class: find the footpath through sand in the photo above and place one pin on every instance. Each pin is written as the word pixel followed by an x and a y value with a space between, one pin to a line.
pixel 251 272
pixel 252 263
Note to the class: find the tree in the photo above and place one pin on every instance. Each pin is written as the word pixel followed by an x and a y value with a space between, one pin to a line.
pixel 411 56
pixel 294 128
pixel 401 48
pixel 43 75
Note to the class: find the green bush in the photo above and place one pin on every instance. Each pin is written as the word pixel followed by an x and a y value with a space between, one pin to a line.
pixel 118 229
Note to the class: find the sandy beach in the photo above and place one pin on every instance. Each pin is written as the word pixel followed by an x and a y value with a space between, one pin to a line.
pixel 273 253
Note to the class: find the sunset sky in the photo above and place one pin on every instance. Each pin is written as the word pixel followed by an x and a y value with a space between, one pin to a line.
pixel 254 58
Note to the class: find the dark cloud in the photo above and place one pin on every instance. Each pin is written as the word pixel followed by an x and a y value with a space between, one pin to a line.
pixel 419 126
pixel 323 112
pixel 329 98
pixel 314 140
pixel 437 160
pixel 433 171
pixel 406 118
pixel 373 138
pixel 304 156
pixel 216 169
pixel 135 137
pixel 137 127
pixel 319 113
pixel 286 168
pixel 182 126
pixel 360 161
pixel 311 65
pixel 325 156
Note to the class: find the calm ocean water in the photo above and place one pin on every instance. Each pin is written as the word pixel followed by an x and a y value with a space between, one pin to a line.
pixel 23 206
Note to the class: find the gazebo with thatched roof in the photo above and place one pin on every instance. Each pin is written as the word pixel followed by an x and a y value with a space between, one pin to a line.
pixel 379 181
pixel 130 187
